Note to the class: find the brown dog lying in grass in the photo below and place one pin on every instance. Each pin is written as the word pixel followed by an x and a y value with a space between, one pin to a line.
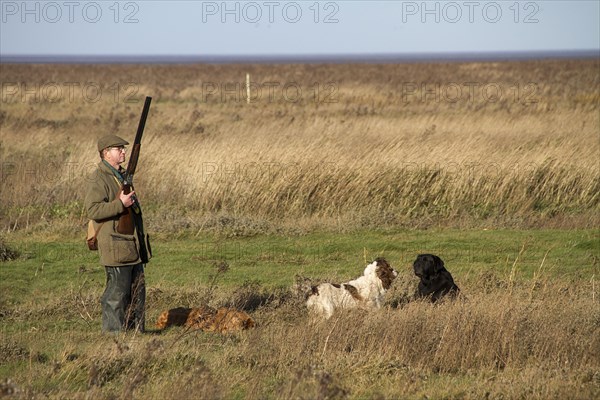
pixel 223 320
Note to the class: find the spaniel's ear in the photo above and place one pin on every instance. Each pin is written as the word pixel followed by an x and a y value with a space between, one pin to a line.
pixel 438 264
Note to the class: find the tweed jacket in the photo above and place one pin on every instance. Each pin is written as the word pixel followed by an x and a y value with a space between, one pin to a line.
pixel 104 207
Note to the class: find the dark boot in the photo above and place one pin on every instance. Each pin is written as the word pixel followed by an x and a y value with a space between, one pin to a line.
pixel 123 301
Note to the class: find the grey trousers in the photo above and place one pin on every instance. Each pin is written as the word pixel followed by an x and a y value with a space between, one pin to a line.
pixel 124 299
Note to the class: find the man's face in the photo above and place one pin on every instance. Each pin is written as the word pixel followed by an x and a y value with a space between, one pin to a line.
pixel 115 155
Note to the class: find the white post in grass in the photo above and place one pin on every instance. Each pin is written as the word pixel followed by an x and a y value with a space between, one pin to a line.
pixel 248 88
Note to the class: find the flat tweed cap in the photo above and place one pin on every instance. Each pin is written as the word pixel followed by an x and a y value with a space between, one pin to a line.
pixel 111 141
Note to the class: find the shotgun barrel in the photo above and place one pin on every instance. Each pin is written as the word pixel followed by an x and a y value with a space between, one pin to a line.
pixel 126 220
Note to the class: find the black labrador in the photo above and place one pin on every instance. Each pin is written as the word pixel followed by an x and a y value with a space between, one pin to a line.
pixel 436 281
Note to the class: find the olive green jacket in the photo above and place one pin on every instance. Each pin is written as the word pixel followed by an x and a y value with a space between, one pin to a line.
pixel 104 207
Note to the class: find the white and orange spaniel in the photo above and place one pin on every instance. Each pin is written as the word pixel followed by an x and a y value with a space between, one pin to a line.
pixel 364 292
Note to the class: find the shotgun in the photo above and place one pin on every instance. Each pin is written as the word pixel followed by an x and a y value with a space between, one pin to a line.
pixel 126 220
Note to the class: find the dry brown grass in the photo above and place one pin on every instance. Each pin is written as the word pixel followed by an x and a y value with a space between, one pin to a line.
pixel 371 158
pixel 377 148
pixel 508 340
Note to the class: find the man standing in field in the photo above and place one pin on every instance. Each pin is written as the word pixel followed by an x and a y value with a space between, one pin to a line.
pixel 123 256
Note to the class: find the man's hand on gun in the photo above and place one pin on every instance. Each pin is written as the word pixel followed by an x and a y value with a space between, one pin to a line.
pixel 127 199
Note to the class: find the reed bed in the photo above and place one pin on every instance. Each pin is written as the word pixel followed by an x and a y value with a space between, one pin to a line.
pixel 389 143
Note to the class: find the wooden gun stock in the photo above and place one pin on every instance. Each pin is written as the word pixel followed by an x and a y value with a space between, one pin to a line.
pixel 125 226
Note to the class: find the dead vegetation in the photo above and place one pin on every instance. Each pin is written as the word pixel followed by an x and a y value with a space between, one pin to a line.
pixel 537 342
pixel 364 146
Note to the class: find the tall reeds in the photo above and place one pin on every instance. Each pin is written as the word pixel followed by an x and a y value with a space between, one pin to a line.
pixel 377 142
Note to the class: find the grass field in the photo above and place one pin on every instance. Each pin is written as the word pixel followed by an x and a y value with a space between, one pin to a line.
pixel 528 329
pixel 492 166
pixel 417 145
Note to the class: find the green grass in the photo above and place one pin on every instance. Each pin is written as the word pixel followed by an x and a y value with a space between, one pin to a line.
pixel 51 343
pixel 47 267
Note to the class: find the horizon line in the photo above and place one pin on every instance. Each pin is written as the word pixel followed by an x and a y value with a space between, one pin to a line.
pixel 300 58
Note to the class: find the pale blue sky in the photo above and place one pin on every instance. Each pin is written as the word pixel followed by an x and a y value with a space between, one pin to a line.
pixel 284 28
